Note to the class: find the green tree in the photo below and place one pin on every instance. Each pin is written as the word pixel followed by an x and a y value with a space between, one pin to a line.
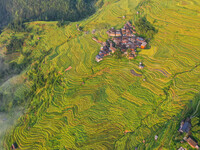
pixel 118 54
pixel 129 51
pixel 15 45
pixel 16 12
pixel 145 28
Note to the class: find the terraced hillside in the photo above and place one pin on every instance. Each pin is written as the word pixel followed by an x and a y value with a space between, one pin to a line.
pixel 93 105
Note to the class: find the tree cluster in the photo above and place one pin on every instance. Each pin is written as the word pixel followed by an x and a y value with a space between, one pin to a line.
pixel 17 11
pixel 145 28
pixel 14 45
pixel 118 54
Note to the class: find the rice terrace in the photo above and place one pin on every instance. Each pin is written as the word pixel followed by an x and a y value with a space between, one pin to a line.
pixel 124 75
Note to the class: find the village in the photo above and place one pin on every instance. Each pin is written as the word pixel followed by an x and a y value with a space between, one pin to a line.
pixel 124 39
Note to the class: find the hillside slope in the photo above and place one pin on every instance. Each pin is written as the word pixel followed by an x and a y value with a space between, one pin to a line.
pixel 93 104
pixel 46 10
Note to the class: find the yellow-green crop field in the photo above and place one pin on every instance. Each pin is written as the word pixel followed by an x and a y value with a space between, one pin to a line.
pixel 97 102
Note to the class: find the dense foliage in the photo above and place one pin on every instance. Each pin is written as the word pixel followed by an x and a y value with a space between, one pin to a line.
pixel 145 28
pixel 118 53
pixel 20 58
pixel 71 10
pixel 15 44
pixel 17 25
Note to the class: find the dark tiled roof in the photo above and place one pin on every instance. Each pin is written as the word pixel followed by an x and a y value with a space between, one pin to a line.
pixel 144 43
pixel 132 46
pixel 123 46
pixel 139 38
pixel 186 127
pixel 99 57
pixel 105 47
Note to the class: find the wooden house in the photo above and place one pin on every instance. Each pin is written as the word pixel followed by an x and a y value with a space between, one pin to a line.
pixel 185 127
pixel 118 33
pixel 123 46
pixel 113 49
pixel 138 44
pixel 132 47
pixel 125 40
pixel 126 26
pixel 95 39
pixel 129 23
pixel 140 39
pixel 111 44
pixel 132 39
pixel 111 32
pixel 192 143
pixel 128 33
pixel 123 31
pixel 181 148
pixel 105 48
pixel 117 40
pixel 99 58
pixel 102 54
pixel 133 31
pixel 143 45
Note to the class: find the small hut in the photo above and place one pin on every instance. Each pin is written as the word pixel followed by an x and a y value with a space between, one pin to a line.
pixel 144 141
pixel 141 66
pixel 93 31
pixel 156 137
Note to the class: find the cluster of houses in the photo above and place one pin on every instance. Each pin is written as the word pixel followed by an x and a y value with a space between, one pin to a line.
pixel 105 50
pixel 185 127
pixel 123 39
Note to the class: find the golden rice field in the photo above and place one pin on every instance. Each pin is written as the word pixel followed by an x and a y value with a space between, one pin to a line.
pixel 95 115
